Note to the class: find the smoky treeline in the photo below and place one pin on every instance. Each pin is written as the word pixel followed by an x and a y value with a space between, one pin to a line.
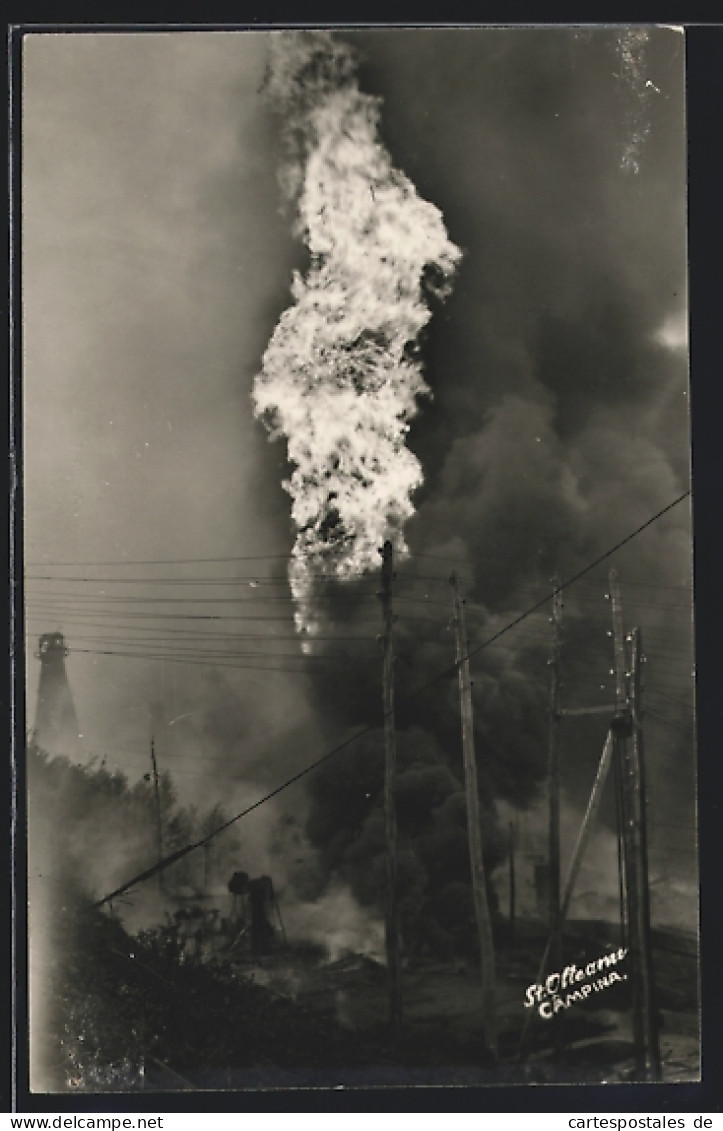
pixel 92 829
pixel 120 1002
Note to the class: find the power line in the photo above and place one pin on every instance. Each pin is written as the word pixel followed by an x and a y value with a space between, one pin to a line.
pixel 74 616
pixel 664 685
pixel 673 825
pixel 171 635
pixel 665 701
pixel 203 561
pixel 89 600
pixel 81 601
pixel 637 604
pixel 216 647
pixel 438 558
pixel 247 579
pixel 250 579
pixel 163 651
pixel 332 665
pixel 207 655
pixel 603 584
pixel 162 561
pixel 685 727
pixel 452 669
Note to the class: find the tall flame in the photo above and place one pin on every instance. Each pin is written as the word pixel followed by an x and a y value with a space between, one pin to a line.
pixel 341 375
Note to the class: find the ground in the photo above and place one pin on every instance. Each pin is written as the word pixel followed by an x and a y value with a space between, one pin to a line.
pixel 442 1008
pixel 130 1013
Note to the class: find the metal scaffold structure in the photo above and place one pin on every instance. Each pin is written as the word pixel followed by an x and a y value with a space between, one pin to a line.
pixel 623 752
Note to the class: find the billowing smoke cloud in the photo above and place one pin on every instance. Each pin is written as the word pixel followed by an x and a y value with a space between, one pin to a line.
pixel 560 427
pixel 341 375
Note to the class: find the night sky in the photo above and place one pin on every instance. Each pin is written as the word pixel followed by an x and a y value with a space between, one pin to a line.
pixel 158 251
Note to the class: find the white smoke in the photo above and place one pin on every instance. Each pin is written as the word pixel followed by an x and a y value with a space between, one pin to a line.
pixel 341 376
pixel 338 923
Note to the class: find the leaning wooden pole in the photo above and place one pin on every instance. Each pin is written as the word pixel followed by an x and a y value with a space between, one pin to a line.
pixel 620 835
pixel 578 852
pixel 390 809
pixel 474 831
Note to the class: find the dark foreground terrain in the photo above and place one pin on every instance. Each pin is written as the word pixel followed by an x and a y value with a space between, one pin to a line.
pixel 442 1004
pixel 136 1013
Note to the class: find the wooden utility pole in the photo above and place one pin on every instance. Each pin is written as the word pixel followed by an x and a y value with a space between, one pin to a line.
pixel 650 1005
pixel 641 964
pixel 621 729
pixel 390 805
pixel 157 802
pixel 479 886
pixel 629 748
pixel 553 780
pixel 513 847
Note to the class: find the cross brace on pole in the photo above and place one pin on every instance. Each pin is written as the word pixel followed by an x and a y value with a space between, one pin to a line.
pixel 581 843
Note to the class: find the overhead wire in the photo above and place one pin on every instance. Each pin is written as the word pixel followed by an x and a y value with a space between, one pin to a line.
pixel 47 564
pixel 171 634
pixel 160 561
pixel 686 727
pixel 602 586
pixel 238 579
pixel 208 654
pixel 84 613
pixel 451 669
pixel 90 600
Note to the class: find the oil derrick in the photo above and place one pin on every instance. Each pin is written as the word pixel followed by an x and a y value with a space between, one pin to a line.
pixel 254 901
pixel 57 730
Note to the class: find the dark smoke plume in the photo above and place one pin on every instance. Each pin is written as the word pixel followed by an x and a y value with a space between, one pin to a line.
pixel 559 427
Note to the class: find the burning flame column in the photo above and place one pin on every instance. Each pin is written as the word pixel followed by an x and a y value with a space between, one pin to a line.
pixel 341 375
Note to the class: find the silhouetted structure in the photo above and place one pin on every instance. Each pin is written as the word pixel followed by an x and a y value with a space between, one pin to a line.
pixel 56 731
pixel 257 900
